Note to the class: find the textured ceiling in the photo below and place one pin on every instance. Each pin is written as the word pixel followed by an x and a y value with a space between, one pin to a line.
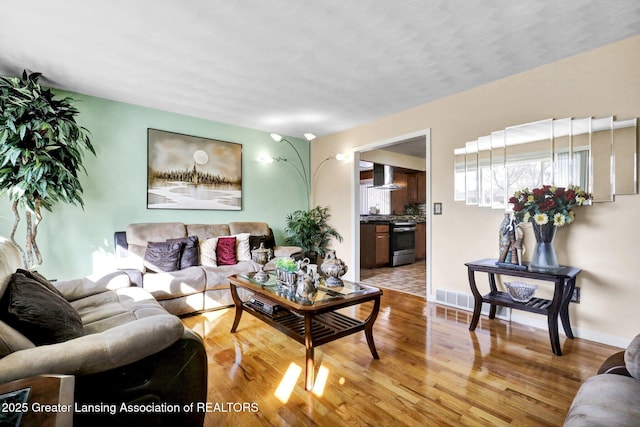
pixel 293 66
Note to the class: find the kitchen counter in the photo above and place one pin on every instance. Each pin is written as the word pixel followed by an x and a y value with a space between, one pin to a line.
pixel 390 218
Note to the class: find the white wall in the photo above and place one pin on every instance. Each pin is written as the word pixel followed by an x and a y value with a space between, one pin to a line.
pixel 604 239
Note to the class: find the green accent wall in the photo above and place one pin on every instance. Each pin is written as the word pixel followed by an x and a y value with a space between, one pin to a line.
pixel 76 242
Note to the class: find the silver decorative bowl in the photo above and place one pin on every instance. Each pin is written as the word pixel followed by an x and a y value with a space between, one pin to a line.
pixel 521 291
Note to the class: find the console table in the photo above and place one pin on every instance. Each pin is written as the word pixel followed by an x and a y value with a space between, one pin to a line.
pixel 563 277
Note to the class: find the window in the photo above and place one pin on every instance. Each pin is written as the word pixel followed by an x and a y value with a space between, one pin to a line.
pixel 371 197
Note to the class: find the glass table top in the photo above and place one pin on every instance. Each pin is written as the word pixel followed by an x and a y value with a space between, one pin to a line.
pixel 323 293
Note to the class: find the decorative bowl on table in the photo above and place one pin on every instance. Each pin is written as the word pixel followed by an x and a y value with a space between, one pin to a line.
pixel 521 291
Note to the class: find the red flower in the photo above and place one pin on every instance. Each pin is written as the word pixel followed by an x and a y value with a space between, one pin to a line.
pixel 539 192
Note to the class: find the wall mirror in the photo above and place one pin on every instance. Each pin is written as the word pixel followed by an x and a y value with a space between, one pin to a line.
pixel 598 154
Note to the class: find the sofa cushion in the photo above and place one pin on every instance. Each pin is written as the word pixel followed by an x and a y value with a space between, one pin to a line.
pixel 226 251
pixel 254 228
pixel 42 315
pixel 174 284
pixel 206 231
pixel 632 357
pixel 139 234
pixel 217 277
pixel 106 310
pixel 10 260
pixel 163 256
pixel 190 255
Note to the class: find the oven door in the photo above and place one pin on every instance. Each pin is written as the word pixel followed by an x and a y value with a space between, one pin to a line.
pixel 402 245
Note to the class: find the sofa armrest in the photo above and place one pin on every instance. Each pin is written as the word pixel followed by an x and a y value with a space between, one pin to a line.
pixel 86 286
pixel 119 346
pixel 176 375
pixel 287 251
pixel 614 365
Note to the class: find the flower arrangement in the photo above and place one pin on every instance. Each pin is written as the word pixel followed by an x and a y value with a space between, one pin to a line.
pixel 548 203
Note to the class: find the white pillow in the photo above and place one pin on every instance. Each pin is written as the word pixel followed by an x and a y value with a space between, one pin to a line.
pixel 243 251
pixel 208 252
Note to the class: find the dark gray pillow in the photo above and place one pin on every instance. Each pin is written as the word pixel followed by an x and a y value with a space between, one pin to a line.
pixel 269 242
pixel 38 313
pixel 190 251
pixel 163 256
pixel 34 275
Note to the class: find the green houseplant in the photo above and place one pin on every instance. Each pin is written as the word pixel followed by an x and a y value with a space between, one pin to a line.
pixel 311 231
pixel 41 150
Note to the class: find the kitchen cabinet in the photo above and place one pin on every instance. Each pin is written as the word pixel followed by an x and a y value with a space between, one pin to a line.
pixel 417 187
pixel 422 188
pixel 421 241
pixel 374 245
pixel 399 196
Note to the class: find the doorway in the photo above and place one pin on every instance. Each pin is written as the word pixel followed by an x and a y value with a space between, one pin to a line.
pixel 409 156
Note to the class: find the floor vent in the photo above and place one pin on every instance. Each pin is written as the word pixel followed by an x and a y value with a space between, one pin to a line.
pixel 464 301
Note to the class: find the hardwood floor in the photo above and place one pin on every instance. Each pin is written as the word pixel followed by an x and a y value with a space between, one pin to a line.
pixel 432 371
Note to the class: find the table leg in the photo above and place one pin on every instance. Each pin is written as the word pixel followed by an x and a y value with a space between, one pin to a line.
pixel 309 375
pixel 368 328
pixel 494 289
pixel 552 317
pixel 238 303
pixel 564 309
pixel 477 304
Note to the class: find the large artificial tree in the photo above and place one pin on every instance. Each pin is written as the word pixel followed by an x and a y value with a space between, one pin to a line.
pixel 41 151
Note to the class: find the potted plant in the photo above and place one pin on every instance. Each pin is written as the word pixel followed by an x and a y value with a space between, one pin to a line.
pixel 310 231
pixel 41 148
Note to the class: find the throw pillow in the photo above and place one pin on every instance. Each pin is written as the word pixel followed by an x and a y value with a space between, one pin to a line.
pixel 163 256
pixel 39 314
pixel 226 251
pixel 269 242
pixel 34 275
pixel 243 250
pixel 190 251
pixel 208 252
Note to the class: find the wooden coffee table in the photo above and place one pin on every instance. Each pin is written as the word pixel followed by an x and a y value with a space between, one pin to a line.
pixel 310 322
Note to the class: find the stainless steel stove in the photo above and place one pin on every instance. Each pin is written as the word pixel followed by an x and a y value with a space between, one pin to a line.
pixel 402 242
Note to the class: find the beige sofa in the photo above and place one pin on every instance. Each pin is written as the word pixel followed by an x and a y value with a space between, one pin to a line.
pixel 611 398
pixel 195 288
pixel 118 342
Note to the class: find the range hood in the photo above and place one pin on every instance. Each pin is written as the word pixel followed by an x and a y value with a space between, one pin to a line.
pixel 383 177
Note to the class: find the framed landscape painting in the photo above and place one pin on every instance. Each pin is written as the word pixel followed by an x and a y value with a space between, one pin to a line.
pixel 190 172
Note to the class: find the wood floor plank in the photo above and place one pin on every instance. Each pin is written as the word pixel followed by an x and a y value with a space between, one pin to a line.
pixel 432 371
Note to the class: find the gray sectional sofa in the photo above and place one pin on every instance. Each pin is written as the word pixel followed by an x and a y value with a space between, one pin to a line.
pixel 611 398
pixel 199 286
pixel 115 339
